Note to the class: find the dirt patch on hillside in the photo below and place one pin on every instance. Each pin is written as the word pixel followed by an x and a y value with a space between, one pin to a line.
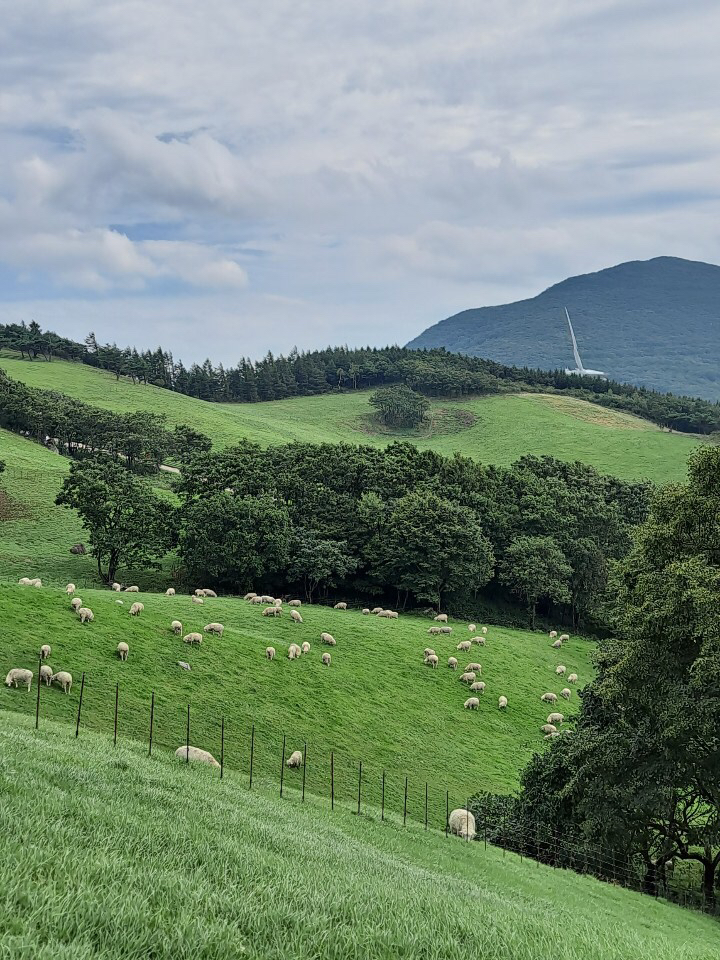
pixel 441 422
pixel 591 413
pixel 12 509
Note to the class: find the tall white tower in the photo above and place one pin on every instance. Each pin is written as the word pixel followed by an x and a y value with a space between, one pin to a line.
pixel 579 370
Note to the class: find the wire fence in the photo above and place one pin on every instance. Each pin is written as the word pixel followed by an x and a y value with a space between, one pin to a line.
pixel 259 755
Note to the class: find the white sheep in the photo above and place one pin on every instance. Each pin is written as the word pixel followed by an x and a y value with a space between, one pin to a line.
pixel 564 637
pixel 329 639
pixel 560 669
pixel 199 592
pixel 572 678
pixel 551 736
pixel 472 703
pixel 76 603
pixel 434 631
pixel 483 630
pixel 266 598
pixel 428 651
pixel 473 667
pixel 116 587
pixel 295 759
pixel 478 687
pixel 340 606
pixel 46 674
pixel 480 641
pixel 502 703
pixel 277 603
pixel 24 581
pixel 272 611
pixel 207 592
pixel 256 600
pixel 365 611
pixel 549 698
pixel 467 677
pixel 70 589
pixel 170 592
pixel 472 628
pixel 552 634
pixel 555 718
pixel 376 610
pixel 86 615
pixel 63 679
pixel 132 589
pixel 197 599
pixel 432 661
pixel 37 582
pixel 19 676
pixel 214 628
pixel 45 651
pixel 121 602
pixel 452 663
pixel 295 616
pixel 326 659
pixel 294 651
pixel 548 728
pixel 250 596
pixel 295 603
pixel 462 823
pixel 136 608
pixel 556 644
pixel 441 618
pixel 390 614
pixel 122 650
pixel 464 646
pixel 305 647
pixel 270 653
pixel 195 755
pixel 193 638
pixel 176 627
pixel 446 629
pixel 566 693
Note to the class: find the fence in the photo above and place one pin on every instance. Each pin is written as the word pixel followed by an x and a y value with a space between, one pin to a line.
pixel 325 772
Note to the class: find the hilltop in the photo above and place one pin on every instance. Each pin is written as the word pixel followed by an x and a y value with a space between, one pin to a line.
pixel 655 323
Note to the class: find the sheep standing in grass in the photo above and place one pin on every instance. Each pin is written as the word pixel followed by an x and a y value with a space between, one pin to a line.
pixel 256 600
pixel 572 678
pixel 472 703
pixel 477 687
pixel 552 634
pixel 45 651
pixel 548 728
pixel 295 616
pixel 480 641
pixel 462 823
pixel 376 610
pixel 473 668
pixel 502 703
pixel 305 647
pixel 63 679
pixel 549 698
pixel 122 650
pixel 192 638
pixel 428 651
pixel 70 589
pixel 24 581
pixel 132 589
pixel 197 599
pixel 216 628
pixel 250 596
pixel 294 652
pixel 76 603
pixel 365 611
pixel 195 755
pixel 37 582
pixel 555 718
pixel 463 646
pixel 86 615
pixel 272 611
pixel 556 644
pixel 277 603
pixel 329 639
pixel 295 603
pixel 117 587
pixel 136 609
pixel 452 663
pixel 207 592
pixel 472 628
pixel 560 669
pixel 326 659
pixel 445 629
pixel 295 759
pixel 340 606
pixel 565 694
pixel 46 674
pixel 467 677
pixel 441 618
pixel 176 627
pixel 484 631
pixel 434 631
pixel 170 592
pixel 270 653
pixel 431 661
pixel 564 637
pixel 18 676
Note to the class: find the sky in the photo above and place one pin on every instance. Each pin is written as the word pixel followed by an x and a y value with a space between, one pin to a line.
pixel 226 178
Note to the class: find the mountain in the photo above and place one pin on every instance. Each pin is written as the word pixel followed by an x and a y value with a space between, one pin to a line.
pixel 651 322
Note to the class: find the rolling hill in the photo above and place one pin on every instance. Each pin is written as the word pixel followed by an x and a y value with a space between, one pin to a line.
pixel 111 854
pixel 655 323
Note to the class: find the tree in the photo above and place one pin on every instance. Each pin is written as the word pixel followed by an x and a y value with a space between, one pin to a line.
pixel 535 567
pixel 127 523
pixel 317 562
pixel 400 406
pixel 233 541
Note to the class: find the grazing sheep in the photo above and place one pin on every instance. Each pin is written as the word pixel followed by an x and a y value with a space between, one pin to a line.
pixel 340 606
pixel 214 628
pixel 183 665
pixel 45 651
pixel 564 637
pixel 560 669
pixel 122 650
pixel 548 728
pixel 197 599
pixel 555 718
pixel 117 587
pixel 472 703
pixel 472 628
pixel 434 631
pixel 86 615
pixel 389 614
pixel 270 653
pixel 462 823
pixel 266 598
pixel 572 678
pixel 552 634
pixel 132 589
pixel 428 651
pixel 193 638
pixel 250 596
pixel 432 661
pixel 195 755
pixel 295 603
pixel 473 667
pixel 272 611
pixel 295 759
pixel 294 651
pixel 176 627
pixel 467 677
pixel 556 644
pixel 452 663
pixel 277 603
pixel 19 676
pixel 445 629
pixel 483 630
pixel 441 618
pixel 209 593
pixel 502 703
pixel 376 610
pixel 199 592
pixel 136 608
pixel 365 611
pixel 76 603
pixel 295 616
pixel 305 647
pixel 478 687
pixel 464 645
pixel 63 679
pixel 329 639
pixel 566 693
pixel 24 581
pixel 70 589
pixel 37 582
pixel 549 698
pixel 480 641
pixel 326 659
pixel 46 674
pixel 551 736
pixel 257 600
pixel 170 592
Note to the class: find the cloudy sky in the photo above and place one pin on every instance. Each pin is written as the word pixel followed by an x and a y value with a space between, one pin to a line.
pixel 226 178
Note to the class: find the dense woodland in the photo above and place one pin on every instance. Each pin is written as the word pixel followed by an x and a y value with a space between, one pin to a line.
pixel 434 373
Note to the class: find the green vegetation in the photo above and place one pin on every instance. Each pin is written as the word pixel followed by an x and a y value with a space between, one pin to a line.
pixel 109 855
pixel 495 429
pixel 399 406
pixel 377 702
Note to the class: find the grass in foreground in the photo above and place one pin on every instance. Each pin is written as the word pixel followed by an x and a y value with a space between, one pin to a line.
pixel 377 702
pixel 108 854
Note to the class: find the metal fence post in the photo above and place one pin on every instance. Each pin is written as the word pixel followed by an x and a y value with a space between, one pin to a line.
pixel 82 687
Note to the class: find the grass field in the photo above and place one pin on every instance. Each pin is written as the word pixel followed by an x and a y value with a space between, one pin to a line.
pixel 108 854
pixel 497 429
pixel 377 702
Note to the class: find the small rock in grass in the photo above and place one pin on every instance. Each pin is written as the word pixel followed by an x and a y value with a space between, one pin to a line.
pixel 185 666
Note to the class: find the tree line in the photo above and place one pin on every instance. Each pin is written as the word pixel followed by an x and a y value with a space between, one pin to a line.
pixel 434 373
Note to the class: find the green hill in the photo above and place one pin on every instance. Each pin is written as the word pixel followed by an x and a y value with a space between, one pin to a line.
pixel 377 702
pixel 108 854
pixel 655 323
pixel 496 429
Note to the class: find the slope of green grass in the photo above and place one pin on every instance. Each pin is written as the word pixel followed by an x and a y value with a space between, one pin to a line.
pixel 497 429
pixel 377 702
pixel 108 854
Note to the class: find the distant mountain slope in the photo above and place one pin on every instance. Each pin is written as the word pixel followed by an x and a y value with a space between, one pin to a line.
pixel 650 322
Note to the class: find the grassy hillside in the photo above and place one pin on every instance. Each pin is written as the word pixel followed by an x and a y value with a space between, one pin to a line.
pixel 182 865
pixel 497 429
pixel 377 702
